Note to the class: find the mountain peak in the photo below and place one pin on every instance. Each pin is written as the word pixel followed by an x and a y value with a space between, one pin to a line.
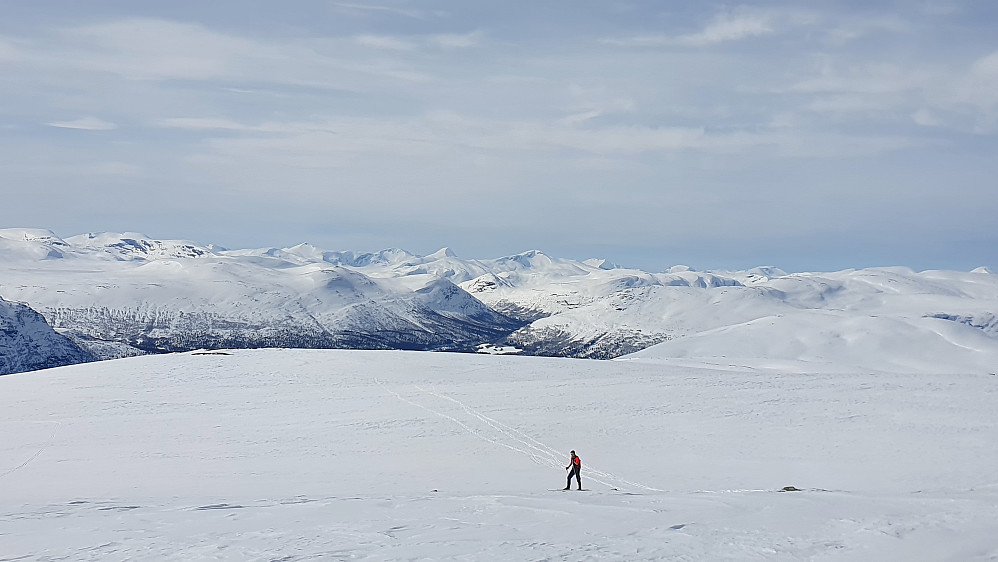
pixel 31 235
pixel 39 244
pixel 767 271
pixel 601 263
pixel 444 252
pixel 528 259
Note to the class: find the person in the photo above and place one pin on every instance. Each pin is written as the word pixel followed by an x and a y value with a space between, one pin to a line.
pixel 576 468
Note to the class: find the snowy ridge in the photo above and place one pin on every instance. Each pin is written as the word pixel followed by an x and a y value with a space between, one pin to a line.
pixel 136 293
pixel 135 246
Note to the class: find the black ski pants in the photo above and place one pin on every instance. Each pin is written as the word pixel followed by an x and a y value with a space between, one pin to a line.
pixel 578 477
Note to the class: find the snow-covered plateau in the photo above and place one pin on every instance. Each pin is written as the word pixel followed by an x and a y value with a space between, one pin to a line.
pixel 117 295
pixel 275 454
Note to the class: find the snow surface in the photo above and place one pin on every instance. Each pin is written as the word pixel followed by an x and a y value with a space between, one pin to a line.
pixel 333 454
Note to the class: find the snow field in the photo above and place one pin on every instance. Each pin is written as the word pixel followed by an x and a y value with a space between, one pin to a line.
pixel 306 454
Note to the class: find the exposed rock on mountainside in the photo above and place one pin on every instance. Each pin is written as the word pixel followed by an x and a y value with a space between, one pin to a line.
pixel 27 343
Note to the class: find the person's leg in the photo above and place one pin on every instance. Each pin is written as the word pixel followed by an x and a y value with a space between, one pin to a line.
pixel 578 477
pixel 568 483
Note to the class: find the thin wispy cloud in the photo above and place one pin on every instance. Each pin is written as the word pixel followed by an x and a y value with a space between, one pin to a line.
pixel 148 49
pixel 8 51
pixel 730 27
pixel 156 49
pixel 367 9
pixel 458 40
pixel 203 124
pixel 854 29
pixel 439 133
pixel 981 88
pixel 724 27
pixel 84 124
pixel 384 42
pixel 114 169
pixel 954 97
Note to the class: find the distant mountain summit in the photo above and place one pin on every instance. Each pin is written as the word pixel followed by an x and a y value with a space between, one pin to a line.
pixel 28 343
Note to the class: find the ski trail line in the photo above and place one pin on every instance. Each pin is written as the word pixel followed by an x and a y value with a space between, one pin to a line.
pixel 532 443
pixel 478 434
pixel 525 440
pixel 464 426
pixel 38 452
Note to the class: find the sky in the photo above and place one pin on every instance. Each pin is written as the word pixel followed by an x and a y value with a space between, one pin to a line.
pixel 811 136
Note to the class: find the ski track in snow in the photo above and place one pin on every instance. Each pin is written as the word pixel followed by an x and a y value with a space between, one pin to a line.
pixel 550 454
pixel 41 450
pixel 542 455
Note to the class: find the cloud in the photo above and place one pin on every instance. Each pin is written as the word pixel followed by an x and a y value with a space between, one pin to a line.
pixel 114 169
pixel 729 25
pixel 9 52
pixel 856 28
pixel 85 124
pixel 876 92
pixel 937 8
pixel 959 97
pixel 148 49
pixel 350 8
pixel 154 49
pixel 593 102
pixel 863 78
pixel 976 92
pixel 343 142
pixel 384 42
pixel 981 86
pixel 458 40
pixel 926 118
pixel 414 42
pixel 202 124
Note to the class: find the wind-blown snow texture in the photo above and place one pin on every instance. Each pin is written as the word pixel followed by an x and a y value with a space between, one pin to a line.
pixel 121 294
pixel 28 343
pixel 385 455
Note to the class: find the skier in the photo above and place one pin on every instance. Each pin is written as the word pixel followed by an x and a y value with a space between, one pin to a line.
pixel 576 468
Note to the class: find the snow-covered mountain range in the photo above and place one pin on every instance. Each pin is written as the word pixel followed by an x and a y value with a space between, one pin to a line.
pixel 120 294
